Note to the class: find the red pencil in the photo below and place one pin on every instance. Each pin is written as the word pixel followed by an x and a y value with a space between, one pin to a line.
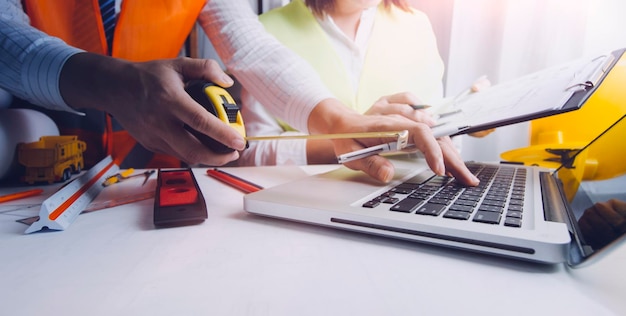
pixel 234 181
pixel 20 195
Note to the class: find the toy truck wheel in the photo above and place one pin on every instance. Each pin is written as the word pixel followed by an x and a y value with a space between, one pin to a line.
pixel 67 173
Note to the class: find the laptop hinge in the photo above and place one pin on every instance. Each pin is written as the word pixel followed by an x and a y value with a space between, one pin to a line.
pixel 553 206
pixel 557 210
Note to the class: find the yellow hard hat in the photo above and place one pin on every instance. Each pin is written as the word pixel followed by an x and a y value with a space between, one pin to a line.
pixel 555 137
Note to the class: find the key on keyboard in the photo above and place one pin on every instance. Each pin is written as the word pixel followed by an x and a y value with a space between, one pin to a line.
pixel 500 193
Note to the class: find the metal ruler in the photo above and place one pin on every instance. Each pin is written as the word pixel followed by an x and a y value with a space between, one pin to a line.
pixel 60 210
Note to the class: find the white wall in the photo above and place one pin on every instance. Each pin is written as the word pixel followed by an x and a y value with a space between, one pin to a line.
pixel 505 39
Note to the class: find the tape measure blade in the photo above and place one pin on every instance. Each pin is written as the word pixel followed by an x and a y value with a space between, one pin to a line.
pixel 61 209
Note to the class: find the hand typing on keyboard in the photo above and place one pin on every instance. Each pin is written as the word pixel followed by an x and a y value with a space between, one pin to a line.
pixel 497 200
pixel 440 154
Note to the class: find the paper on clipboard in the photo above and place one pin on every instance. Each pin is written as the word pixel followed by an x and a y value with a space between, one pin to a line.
pixel 547 92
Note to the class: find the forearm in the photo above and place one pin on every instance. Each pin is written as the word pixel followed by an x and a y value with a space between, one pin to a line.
pixel 87 80
pixel 331 116
pixel 320 151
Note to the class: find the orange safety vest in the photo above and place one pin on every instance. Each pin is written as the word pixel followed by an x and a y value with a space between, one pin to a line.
pixel 145 30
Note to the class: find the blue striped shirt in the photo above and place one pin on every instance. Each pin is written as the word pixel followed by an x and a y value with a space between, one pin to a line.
pixel 30 61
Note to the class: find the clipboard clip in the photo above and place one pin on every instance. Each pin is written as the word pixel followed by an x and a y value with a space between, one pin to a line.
pixel 594 72
pixel 581 86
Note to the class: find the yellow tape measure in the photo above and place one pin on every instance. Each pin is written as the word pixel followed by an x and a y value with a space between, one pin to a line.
pixel 220 103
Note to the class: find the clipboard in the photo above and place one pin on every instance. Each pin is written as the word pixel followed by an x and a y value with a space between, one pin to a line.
pixel 559 89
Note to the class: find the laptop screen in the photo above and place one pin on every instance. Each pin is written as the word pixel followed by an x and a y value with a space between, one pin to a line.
pixel 594 183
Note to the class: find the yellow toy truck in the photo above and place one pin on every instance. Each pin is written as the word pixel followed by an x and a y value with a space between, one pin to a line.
pixel 51 159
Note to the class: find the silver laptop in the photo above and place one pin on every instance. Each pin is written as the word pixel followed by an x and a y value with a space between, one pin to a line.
pixel 529 213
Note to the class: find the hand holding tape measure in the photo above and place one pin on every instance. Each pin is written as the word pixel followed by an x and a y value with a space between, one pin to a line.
pixel 220 103
pixel 61 209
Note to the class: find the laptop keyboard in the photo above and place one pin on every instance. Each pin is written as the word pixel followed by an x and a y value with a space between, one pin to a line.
pixel 498 199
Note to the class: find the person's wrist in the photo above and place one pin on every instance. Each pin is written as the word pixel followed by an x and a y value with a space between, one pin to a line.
pixel 329 116
pixel 84 77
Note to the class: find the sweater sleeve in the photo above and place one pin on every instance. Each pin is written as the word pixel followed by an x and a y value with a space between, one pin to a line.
pixel 282 81
pixel 259 122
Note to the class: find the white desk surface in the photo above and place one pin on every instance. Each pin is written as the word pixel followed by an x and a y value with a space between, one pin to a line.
pixel 114 262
